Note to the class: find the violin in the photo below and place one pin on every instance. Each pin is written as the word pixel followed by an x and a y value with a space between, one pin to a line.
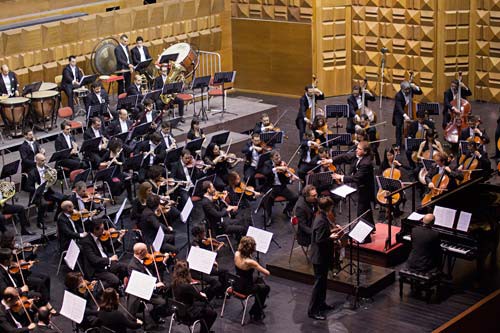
pixel 96 198
pixel 212 242
pixel 248 190
pixel 77 215
pixel 23 302
pixel 289 172
pixel 327 163
pixel 15 267
pixel 86 286
pixel 265 148
pixel 111 233
pixel 197 164
pixel 219 195
pixel 157 257
pixel 27 247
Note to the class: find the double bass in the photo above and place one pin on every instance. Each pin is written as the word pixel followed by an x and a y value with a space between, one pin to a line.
pixel 411 107
pixel 314 110
pixel 452 130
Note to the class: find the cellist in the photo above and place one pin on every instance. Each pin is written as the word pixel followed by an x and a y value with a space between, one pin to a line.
pixel 474 133
pixel 307 100
pixel 441 168
pixel 483 164
pixel 417 130
pixel 449 96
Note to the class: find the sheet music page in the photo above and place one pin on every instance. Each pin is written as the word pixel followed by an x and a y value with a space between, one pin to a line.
pixel 360 231
pixel 262 238
pixel 73 307
pixel 141 285
pixel 72 254
pixel 445 217
pixel 415 216
pixel 464 221
pixel 120 211
pixel 186 211
pixel 343 191
pixel 201 260
pixel 158 242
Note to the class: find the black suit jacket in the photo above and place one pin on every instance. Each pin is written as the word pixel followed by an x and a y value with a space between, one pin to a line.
pixel 14 84
pixel 399 106
pixel 114 127
pixel 149 224
pixel 93 262
pixel 61 143
pixel 5 282
pixel 465 134
pixel 28 155
pixel 321 243
pixel 92 99
pixel 353 107
pixel 32 180
pixel 136 56
pixel 413 128
pixel 177 172
pixel 66 232
pixel 7 325
pixel 67 77
pixel 213 213
pixel 121 58
pixel 362 174
pixel 267 170
pixel 425 254
pixel 303 106
pixel 158 82
pixel 132 90
pixel 454 175
pixel 144 147
pixel 305 214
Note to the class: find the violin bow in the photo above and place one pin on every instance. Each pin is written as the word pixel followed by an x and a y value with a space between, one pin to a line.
pixel 243 193
pixel 154 262
pixel 22 305
pixel 20 270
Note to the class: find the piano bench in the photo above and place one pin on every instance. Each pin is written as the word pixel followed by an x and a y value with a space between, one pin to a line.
pixel 421 281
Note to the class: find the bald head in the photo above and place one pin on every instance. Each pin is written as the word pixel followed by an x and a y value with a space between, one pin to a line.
pixel 140 250
pixel 40 159
pixel 10 295
pixel 428 219
pixel 5 69
pixel 67 206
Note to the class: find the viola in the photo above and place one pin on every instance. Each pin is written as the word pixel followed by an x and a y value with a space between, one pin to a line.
pixel 289 172
pixel 27 247
pixel 197 164
pixel 212 242
pixel 219 195
pixel 84 214
pixel 23 302
pixel 15 267
pixel 157 257
pixel 86 286
pixel 111 233
pixel 265 147
pixel 248 190
pixel 96 198
pixel 327 163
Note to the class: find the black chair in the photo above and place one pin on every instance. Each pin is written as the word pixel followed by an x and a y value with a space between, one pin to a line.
pixel 181 316
pixel 241 297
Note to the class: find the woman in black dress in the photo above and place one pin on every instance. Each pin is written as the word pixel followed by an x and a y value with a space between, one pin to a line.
pixel 195 132
pixel 246 284
pixel 196 302
pixel 220 166
pixel 110 317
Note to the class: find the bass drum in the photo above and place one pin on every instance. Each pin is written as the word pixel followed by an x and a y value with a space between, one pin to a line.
pixel 103 58
pixel 187 57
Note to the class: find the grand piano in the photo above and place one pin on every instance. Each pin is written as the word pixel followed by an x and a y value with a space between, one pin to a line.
pixel 478 197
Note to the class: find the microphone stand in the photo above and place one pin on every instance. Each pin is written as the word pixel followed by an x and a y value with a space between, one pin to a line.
pixel 382 67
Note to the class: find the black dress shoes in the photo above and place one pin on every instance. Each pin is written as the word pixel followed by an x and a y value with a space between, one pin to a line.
pixel 26 232
pixel 317 316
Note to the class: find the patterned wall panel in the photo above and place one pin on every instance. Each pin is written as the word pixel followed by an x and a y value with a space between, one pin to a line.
pixel 275 10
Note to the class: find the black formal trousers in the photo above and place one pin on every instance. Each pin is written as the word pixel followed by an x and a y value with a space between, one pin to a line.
pixel 112 276
pixel 284 191
pixel 318 296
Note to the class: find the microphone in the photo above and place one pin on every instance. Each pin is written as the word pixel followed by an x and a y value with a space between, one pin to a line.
pixel 384 50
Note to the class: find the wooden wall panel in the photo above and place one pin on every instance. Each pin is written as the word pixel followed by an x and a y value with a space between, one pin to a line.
pixel 271 56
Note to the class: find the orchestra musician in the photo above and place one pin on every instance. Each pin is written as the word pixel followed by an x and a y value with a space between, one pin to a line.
pixel 450 95
pixel 9 86
pixel 185 170
pixel 441 167
pixel 431 145
pixel 195 131
pixel 139 52
pixel 474 132
pixel 17 210
pixel 323 162
pixel 44 323
pixel 309 148
pixel 236 196
pixel 264 125
pixel 306 102
pixel 121 125
pixel 320 128
pixel 322 249
pixel 253 150
pixel 135 87
pixel 12 320
pixel 148 115
pixel 67 228
pixel 278 176
pixel 66 140
pixel 71 76
pixel 215 212
pixel 305 210
pixel 159 83
pixel 153 153
pixel 123 62
pixel 76 197
pixel 362 176
pixel 27 150
pixel 425 255
pixel 403 97
pixel 143 192
pixel 245 266
pixel 168 141
pixel 197 307
pixel 111 317
pixel 417 130
pixel 76 284
pixel 96 262
pixel 98 97
pixel 390 162
pixel 115 156
pixel 355 102
pixel 158 300
pixel 219 165
pixel 483 163
pixel 95 153
pixel 371 133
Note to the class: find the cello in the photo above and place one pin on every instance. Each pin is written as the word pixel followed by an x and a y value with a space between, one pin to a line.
pixel 392 173
pixel 440 182
pixel 452 130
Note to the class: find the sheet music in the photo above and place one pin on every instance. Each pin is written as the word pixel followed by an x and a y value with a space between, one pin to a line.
pixel 141 285
pixel 186 211
pixel 415 216
pixel 445 217
pixel 343 191
pixel 360 231
pixel 72 254
pixel 262 238
pixel 464 221
pixel 158 242
pixel 73 307
pixel 201 260
pixel 120 211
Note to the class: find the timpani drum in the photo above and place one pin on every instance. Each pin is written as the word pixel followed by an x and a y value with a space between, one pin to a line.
pixel 44 104
pixel 186 56
pixel 14 111
pixel 81 92
pixel 48 86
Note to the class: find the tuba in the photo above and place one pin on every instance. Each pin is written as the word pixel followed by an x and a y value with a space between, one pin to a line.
pixel 176 74
pixel 50 176
pixel 7 191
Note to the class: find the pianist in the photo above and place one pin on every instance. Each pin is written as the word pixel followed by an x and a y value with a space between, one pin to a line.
pixel 425 255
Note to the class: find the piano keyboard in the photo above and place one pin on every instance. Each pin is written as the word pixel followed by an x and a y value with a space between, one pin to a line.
pixel 446 246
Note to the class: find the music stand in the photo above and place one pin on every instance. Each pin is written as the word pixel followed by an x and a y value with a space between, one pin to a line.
pixel 389 185
pixel 412 143
pixel 272 138
pixel 432 109
pixel 82 177
pixel 10 169
pixel 201 83
pixel 221 78
pixel 142 65
pixel 139 130
pixel 60 155
pixel 105 175
pixel 262 159
pixel 428 164
pixel 464 147
pixel 96 111
pixel 174 122
pixel 165 59
pixel 91 144
pixel 338 152
pixel 122 136
pixel 198 186
pixel 320 179
pixel 133 163
pixel 31 88
pixel 219 139
pixel 343 139
pixel 172 88
pixel 128 102
pixel 153 95
pixel 88 79
pixel 173 155
pixel 194 145
pixel 337 111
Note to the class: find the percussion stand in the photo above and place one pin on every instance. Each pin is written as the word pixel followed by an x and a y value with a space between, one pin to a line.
pixel 221 78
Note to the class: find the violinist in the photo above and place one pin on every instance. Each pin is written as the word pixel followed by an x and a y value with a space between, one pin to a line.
pixel 137 263
pixel 474 133
pixel 441 168
pixel 144 191
pixel 148 115
pixel 482 164
pixel 14 317
pixel 361 174
pixel 323 163
pixel 355 102
pixel 185 170
pixel 149 223
pixel 169 142
pixel 305 103
pixel 450 95
pixel 81 200
pixel 44 323
pixel 67 228
pixel 115 157
pixel 305 210
pixel 239 194
pixel 402 100
pixel 217 279
pixel 308 151
pixel 371 133
pixel 252 150
pixel 278 176
pixel 195 131
pixel 219 165
pixel 264 125
pixel 417 130
pixel 217 213
pixel 320 128
pixel 97 264
pixel 76 284
pixel 111 317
